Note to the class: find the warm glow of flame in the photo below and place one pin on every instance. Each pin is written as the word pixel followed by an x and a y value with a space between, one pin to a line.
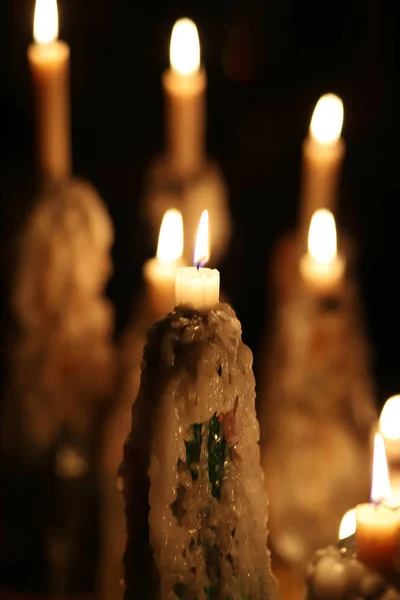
pixel 45 22
pixel 201 249
pixel 170 239
pixel 380 473
pixel 348 524
pixel 327 120
pixel 184 50
pixel 322 242
pixel 389 421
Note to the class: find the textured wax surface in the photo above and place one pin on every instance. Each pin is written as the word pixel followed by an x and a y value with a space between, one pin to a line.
pixel 193 486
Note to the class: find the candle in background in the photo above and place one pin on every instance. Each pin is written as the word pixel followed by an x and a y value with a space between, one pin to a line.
pixel 198 286
pixel 49 64
pixel 322 268
pixel 322 155
pixel 377 524
pixel 348 524
pixel 160 272
pixel 184 86
pixel 389 427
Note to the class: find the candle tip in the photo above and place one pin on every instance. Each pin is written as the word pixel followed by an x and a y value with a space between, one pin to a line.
pixel 380 489
pixel 45 22
pixel 322 239
pixel 202 250
pixel 170 239
pixel 185 47
pixel 327 120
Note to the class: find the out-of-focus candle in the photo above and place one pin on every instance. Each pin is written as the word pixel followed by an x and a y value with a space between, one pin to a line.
pixel 198 286
pixel 389 426
pixel 322 268
pixel 49 64
pixel 377 524
pixel 184 86
pixel 348 524
pixel 160 272
pixel 322 154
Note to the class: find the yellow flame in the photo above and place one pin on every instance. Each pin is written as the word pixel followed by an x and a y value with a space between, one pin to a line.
pixel 348 524
pixel 327 120
pixel 170 238
pixel 322 241
pixel 389 421
pixel 184 50
pixel 201 249
pixel 45 22
pixel 380 473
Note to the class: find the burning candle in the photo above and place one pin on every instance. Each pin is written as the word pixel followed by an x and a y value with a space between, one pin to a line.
pixel 49 64
pixel 321 267
pixel 348 524
pixel 198 286
pixel 184 88
pixel 377 524
pixel 323 153
pixel 160 271
pixel 389 427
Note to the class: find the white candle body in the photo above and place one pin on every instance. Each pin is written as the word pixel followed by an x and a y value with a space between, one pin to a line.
pixel 197 287
pixel 322 278
pixel 49 64
pixel 185 120
pixel 378 537
pixel 160 285
pixel 321 168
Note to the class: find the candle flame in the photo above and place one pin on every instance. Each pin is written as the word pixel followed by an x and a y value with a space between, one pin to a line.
pixel 348 524
pixel 389 421
pixel 322 240
pixel 327 120
pixel 184 51
pixel 201 249
pixel 170 238
pixel 45 22
pixel 380 473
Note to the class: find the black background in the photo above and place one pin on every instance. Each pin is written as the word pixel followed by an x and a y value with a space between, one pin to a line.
pixel 267 62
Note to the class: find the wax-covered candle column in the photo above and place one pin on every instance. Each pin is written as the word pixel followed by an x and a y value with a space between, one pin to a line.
pixel 184 86
pixel 377 523
pixel 198 286
pixel 195 503
pixel 322 155
pixel 49 64
pixel 322 268
pixel 160 272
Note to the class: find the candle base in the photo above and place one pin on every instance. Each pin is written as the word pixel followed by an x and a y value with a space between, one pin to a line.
pixel 61 371
pixel 316 410
pixel 336 574
pixel 205 189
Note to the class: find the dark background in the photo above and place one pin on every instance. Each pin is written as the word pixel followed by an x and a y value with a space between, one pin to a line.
pixel 267 62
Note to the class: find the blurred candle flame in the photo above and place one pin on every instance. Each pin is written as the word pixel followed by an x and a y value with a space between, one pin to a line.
pixel 327 120
pixel 201 249
pixel 389 421
pixel 322 240
pixel 170 238
pixel 184 51
pixel 45 22
pixel 380 489
pixel 348 524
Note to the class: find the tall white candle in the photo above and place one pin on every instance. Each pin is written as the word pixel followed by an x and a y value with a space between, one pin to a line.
pixel 322 156
pixel 198 286
pixel 160 272
pixel 184 86
pixel 322 268
pixel 49 64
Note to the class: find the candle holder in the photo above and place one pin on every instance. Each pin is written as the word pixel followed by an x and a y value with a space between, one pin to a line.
pixel 191 194
pixel 316 411
pixel 335 573
pixel 62 362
